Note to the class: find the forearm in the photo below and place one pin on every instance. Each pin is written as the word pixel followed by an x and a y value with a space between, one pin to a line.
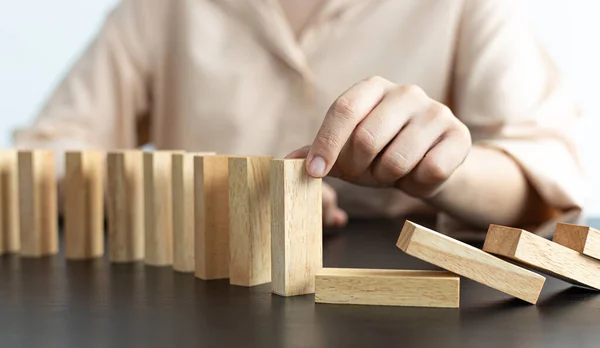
pixel 490 187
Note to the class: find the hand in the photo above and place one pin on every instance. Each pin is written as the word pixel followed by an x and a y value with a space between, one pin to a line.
pixel 333 216
pixel 381 134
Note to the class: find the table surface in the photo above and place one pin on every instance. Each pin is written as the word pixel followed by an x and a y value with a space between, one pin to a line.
pixel 51 302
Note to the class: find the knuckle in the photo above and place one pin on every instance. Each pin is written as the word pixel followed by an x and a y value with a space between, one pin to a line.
pixel 465 133
pixel 365 140
pixel 376 79
pixel 395 165
pixel 328 140
pixel 440 110
pixel 344 108
pixel 434 172
pixel 412 90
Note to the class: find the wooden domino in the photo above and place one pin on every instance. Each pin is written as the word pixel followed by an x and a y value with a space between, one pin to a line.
pixel 387 287
pixel 249 222
pixel 83 199
pixel 583 239
pixel 296 228
pixel 470 262
pixel 543 255
pixel 10 238
pixel 125 205
pixel 211 186
pixel 38 203
pixel 158 209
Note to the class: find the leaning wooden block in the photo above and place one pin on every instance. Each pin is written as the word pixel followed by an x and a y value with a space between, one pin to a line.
pixel 125 205
pixel 543 255
pixel 387 287
pixel 158 209
pixel 249 222
pixel 583 239
pixel 38 203
pixel 470 262
pixel 9 205
pixel 296 228
pixel 83 198
pixel 211 207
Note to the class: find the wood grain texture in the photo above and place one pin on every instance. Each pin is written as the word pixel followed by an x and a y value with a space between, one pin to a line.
pixel 470 262
pixel 211 187
pixel 250 222
pixel 543 255
pixel 125 205
pixel 158 208
pixel 183 211
pixel 10 238
pixel 296 228
pixel 583 239
pixel 383 287
pixel 83 199
pixel 38 203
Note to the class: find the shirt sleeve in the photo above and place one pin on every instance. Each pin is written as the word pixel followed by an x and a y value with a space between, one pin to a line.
pixel 103 97
pixel 510 94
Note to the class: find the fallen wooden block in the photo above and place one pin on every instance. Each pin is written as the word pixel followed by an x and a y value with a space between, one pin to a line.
pixel 211 226
pixel 249 222
pixel 470 262
pixel 583 239
pixel 125 205
pixel 83 198
pixel 38 203
pixel 296 228
pixel 387 287
pixel 9 202
pixel 543 255
pixel 158 209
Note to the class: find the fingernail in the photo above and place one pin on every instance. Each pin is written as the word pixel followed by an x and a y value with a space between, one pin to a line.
pixel 317 166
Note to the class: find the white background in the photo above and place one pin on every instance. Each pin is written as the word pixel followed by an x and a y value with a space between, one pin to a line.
pixel 40 39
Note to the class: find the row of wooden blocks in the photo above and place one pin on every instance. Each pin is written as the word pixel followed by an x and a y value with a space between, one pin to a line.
pixel 573 255
pixel 253 220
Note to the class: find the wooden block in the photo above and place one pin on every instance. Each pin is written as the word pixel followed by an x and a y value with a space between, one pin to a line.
pixel 38 203
pixel 381 287
pixel 10 238
pixel 296 228
pixel 211 186
pixel 249 222
pixel 183 210
pixel 470 262
pixel 84 204
pixel 158 208
pixel 583 239
pixel 543 255
pixel 125 205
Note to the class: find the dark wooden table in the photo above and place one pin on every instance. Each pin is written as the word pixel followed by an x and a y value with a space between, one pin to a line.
pixel 50 302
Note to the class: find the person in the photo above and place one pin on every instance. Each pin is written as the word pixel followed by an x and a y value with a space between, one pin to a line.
pixel 450 107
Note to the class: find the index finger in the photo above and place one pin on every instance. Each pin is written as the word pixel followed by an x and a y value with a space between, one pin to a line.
pixel 346 112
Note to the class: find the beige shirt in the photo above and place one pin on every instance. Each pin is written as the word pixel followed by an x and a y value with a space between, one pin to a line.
pixel 233 77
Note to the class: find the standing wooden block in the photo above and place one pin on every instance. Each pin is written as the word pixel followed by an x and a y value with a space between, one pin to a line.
pixel 211 186
pixel 10 238
pixel 125 205
pixel 249 222
pixel 583 239
pixel 387 287
pixel 158 208
pixel 38 203
pixel 183 211
pixel 296 228
pixel 470 262
pixel 543 255
pixel 83 204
